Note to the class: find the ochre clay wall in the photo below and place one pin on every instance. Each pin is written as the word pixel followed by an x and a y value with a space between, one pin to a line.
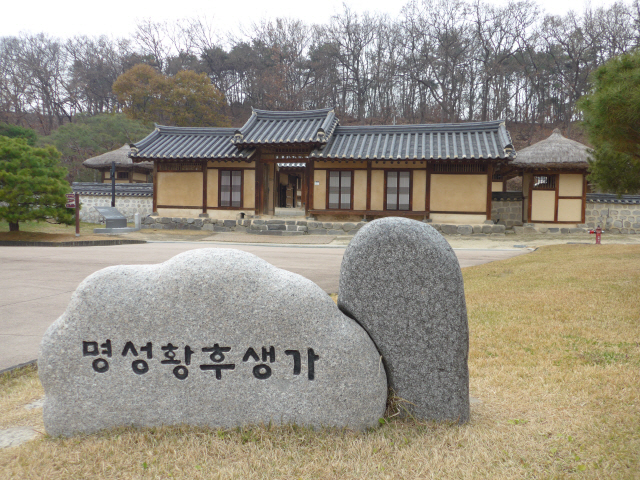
pixel 543 204
pixel 459 193
pixel 569 209
pixel 419 190
pixel 320 189
pixel 360 190
pixel 179 188
pixel 570 185
pixel 377 189
pixel 249 185
pixel 179 212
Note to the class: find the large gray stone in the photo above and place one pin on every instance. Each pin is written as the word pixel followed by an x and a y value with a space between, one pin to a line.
pixel 401 281
pixel 220 299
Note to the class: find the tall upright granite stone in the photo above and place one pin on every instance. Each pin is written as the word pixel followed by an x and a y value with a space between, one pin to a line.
pixel 211 337
pixel 401 281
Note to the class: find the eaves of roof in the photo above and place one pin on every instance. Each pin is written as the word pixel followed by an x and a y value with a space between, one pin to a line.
pixel 189 143
pixel 477 140
pixel 287 128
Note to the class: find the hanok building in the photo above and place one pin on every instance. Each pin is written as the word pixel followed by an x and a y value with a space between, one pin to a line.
pixel 306 159
pixel 126 170
pixel 554 185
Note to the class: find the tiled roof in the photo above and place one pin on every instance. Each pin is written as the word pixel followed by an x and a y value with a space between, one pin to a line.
pixel 120 156
pixel 478 140
pixel 189 143
pixel 292 165
pixel 122 189
pixel 267 127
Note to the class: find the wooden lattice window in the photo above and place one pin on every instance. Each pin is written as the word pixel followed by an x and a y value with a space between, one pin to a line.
pixel 231 188
pixel 122 175
pixel 340 188
pixel 398 190
pixel 179 167
pixel 459 168
pixel 544 182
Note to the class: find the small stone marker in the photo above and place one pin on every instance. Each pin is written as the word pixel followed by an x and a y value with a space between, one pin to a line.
pixel 401 281
pixel 212 337
pixel 112 216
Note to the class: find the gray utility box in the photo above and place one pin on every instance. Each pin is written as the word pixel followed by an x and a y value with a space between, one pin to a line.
pixel 112 217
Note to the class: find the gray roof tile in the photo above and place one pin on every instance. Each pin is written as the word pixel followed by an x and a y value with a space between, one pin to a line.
pixel 267 127
pixel 189 143
pixel 122 189
pixel 478 140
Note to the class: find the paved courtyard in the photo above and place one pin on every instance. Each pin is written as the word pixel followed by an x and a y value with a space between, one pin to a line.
pixel 36 283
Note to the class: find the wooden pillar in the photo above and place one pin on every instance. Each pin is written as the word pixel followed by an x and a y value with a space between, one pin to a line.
pixel 489 188
pixel 259 187
pixel 310 184
pixel 530 196
pixel 555 214
pixel 427 198
pixel 584 195
pixel 155 187
pixel 368 185
pixel 205 175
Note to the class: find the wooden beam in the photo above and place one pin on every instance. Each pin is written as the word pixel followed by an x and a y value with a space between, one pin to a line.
pixel 259 187
pixel 310 190
pixel 489 188
pixel 205 174
pixel 555 217
pixel 584 195
pixel 368 185
pixel 427 198
pixel 155 187
pixel 530 198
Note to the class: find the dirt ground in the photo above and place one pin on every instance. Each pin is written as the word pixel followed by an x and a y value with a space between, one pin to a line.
pixel 56 233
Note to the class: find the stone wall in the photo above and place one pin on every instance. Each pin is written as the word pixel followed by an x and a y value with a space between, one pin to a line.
pixel 507 212
pixel 613 214
pixel 613 217
pixel 127 205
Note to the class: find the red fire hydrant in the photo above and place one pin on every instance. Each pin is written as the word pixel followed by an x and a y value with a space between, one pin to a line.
pixel 598 232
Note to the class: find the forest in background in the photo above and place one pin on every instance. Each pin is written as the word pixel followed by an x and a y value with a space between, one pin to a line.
pixel 439 61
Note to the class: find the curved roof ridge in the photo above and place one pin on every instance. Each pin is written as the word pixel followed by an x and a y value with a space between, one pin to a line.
pixel 492 124
pixel 296 113
pixel 182 130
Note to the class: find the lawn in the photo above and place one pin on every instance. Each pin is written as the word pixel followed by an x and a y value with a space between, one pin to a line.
pixel 554 365
pixel 33 231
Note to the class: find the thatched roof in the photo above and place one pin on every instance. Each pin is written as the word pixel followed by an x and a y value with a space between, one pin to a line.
pixel 120 156
pixel 554 152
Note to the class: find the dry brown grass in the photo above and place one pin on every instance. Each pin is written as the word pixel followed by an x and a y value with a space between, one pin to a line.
pixel 33 231
pixel 554 360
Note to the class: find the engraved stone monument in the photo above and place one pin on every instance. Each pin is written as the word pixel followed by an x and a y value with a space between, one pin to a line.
pixel 401 281
pixel 211 337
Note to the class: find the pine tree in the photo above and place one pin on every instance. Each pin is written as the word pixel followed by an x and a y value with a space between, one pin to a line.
pixel 32 184
pixel 612 118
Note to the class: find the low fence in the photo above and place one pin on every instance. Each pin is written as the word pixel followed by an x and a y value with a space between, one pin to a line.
pixel 131 198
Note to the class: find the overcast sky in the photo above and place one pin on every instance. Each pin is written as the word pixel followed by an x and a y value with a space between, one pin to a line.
pixel 66 18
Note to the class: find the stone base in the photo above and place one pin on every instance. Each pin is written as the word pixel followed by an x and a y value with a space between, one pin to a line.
pixel 115 231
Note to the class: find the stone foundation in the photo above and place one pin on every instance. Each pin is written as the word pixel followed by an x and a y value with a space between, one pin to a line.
pixel 254 226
